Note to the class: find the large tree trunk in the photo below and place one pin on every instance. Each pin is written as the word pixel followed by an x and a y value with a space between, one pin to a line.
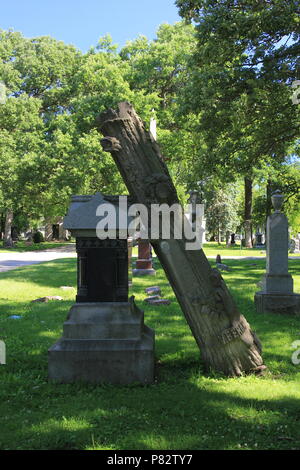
pixel 8 226
pixel 248 213
pixel 2 225
pixel 223 335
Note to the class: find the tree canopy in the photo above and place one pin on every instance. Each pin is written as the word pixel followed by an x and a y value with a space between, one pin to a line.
pixel 220 89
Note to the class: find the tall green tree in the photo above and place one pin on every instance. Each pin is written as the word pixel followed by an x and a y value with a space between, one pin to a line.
pixel 37 74
pixel 222 207
pixel 49 147
pixel 243 70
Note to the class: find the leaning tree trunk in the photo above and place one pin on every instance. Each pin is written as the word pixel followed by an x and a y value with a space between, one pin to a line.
pixel 248 213
pixel 223 335
pixel 8 226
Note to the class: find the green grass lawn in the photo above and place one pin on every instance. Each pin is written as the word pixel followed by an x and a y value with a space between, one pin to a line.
pixel 213 248
pixel 183 409
pixel 22 246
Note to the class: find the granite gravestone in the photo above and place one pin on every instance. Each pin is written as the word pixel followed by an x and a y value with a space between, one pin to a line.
pixel 144 266
pixel 277 294
pixel 130 246
pixel 104 337
pixel 197 217
pixel 294 245
pixel 259 243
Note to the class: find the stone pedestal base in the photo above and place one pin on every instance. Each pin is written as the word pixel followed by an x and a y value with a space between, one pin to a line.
pixel 278 283
pixel 144 272
pixel 103 343
pixel 277 303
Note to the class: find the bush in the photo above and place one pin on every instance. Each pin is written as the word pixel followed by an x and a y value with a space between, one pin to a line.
pixel 38 237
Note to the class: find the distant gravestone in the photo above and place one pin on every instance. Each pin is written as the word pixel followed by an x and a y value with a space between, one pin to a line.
pixel 144 266
pixel 277 294
pixel 196 216
pixel 259 243
pixel 294 245
pixel 155 290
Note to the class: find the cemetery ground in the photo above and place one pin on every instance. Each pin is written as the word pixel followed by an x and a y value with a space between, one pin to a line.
pixel 184 409
pixel 22 246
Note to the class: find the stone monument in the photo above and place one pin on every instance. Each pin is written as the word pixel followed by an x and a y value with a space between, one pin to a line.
pixel 277 294
pixel 197 217
pixel 104 336
pixel 144 266
pixel 130 246
pixel 294 246
pixel 259 242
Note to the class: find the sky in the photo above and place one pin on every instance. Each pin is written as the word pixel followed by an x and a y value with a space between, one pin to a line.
pixel 83 22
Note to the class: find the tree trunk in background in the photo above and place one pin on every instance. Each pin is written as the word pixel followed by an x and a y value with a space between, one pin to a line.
pixel 2 225
pixel 223 335
pixel 248 213
pixel 8 226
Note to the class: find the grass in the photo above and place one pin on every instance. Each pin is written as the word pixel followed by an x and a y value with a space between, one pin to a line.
pixel 183 409
pixel 22 246
pixel 211 249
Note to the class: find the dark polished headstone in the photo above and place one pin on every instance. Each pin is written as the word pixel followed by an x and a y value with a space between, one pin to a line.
pixel 102 270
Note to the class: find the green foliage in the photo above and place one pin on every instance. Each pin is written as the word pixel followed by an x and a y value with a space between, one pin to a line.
pixel 222 207
pixel 241 76
pixel 244 66
pixel 286 179
pixel 217 112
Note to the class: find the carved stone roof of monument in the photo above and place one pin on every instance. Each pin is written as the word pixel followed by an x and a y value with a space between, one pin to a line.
pixel 82 214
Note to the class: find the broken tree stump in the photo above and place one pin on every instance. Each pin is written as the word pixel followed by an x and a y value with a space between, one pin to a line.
pixel 223 335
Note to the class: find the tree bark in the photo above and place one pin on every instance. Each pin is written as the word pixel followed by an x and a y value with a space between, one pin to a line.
pixel 223 335
pixel 248 213
pixel 8 226
pixel 2 225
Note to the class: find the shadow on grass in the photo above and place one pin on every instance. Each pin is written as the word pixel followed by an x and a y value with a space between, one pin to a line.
pixel 54 273
pixel 181 416
pixel 184 409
